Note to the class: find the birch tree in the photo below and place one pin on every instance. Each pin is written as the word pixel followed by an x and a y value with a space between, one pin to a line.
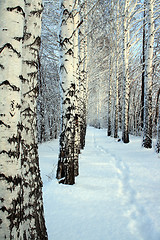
pixel 117 54
pixel 125 57
pixel 76 22
pixel 65 170
pixel 147 127
pixel 34 226
pixel 82 63
pixel 157 147
pixel 21 204
pixel 109 125
pixel 11 34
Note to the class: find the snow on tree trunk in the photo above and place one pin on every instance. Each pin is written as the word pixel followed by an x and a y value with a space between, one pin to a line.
pixel 34 225
pixel 11 33
pixel 82 72
pixel 147 126
pixel 65 170
pixel 125 56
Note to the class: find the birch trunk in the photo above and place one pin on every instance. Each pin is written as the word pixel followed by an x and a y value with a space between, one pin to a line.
pixel 82 72
pixel 147 126
pixel 125 56
pixel 11 33
pixel 158 132
pixel 143 67
pixel 109 98
pixel 158 123
pixel 116 99
pixel 116 73
pixel 76 80
pixel 65 170
pixel 34 225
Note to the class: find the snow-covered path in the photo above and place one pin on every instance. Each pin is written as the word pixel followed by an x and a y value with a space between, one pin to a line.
pixel 116 196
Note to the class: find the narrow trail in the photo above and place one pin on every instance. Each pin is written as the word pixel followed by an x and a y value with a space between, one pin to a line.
pixel 116 195
pixel 135 211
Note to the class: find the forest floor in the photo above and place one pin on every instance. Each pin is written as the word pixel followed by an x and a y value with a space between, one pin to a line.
pixel 116 195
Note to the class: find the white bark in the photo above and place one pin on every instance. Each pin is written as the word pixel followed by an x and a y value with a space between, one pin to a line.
pixel 147 127
pixel 109 97
pixel 82 71
pixel 33 226
pixel 65 168
pixel 116 72
pixel 125 57
pixel 76 20
pixel 158 131
pixel 11 33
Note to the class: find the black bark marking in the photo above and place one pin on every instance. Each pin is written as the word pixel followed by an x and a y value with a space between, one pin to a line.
pixel 37 12
pixel 73 86
pixel 65 41
pixel 26 35
pixel 2 123
pixel 9 179
pixel 2 199
pixel 67 116
pixel 71 93
pixel 14 213
pixel 14 139
pixel 14 154
pixel 80 23
pixel 9 46
pixel 63 22
pixel 27 4
pixel 18 38
pixel 18 106
pixel 12 115
pixel 70 52
pixel 37 42
pixel 20 126
pixel 1 66
pixel 67 100
pixel 32 74
pixel 17 9
pixel 34 90
pixel 31 63
pixel 28 112
pixel 6 82
pixel 62 67
pixel 23 79
pixel 65 12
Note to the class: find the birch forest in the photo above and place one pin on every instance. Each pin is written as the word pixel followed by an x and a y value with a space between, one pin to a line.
pixel 107 57
pixel 66 64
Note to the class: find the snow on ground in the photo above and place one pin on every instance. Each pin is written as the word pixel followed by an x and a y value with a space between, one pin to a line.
pixel 116 195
